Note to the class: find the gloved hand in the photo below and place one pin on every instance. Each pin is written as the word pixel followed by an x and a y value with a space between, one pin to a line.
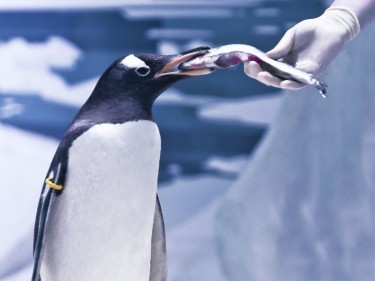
pixel 310 46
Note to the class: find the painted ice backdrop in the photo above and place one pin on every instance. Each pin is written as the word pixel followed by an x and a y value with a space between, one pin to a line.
pixel 304 208
pixel 24 157
pixel 209 126
pixel 28 69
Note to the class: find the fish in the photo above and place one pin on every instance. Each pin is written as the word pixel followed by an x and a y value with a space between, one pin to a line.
pixel 233 54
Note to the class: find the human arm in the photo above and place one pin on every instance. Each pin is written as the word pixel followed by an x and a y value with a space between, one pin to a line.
pixel 363 9
pixel 312 44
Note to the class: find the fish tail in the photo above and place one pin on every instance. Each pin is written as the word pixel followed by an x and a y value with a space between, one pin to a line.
pixel 321 86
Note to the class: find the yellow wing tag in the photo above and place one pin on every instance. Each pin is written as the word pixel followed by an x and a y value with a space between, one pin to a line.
pixel 53 185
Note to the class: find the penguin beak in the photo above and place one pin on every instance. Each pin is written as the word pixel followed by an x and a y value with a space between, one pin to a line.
pixel 171 68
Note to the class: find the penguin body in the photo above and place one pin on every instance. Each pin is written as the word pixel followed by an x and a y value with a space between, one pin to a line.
pixel 112 204
pixel 100 218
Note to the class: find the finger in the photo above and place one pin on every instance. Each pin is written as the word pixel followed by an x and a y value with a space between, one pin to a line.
pixel 252 69
pixel 292 85
pixel 268 79
pixel 284 46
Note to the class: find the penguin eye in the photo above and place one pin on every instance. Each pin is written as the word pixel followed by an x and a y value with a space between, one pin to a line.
pixel 142 71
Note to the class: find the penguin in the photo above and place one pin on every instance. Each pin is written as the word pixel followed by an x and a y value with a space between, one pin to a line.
pixel 99 216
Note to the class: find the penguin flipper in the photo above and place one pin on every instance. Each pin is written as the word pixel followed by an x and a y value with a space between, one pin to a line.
pixel 158 270
pixel 47 197
pixel 45 202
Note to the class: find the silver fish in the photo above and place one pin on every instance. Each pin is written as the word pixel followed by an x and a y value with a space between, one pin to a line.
pixel 229 55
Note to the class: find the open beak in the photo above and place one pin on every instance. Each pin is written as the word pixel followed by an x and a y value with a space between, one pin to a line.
pixel 171 68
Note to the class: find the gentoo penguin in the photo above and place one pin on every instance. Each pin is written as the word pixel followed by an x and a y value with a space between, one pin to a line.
pixel 99 217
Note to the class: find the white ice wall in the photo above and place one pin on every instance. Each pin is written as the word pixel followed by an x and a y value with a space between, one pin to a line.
pixel 304 208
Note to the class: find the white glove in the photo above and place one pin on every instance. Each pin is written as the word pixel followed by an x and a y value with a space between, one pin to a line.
pixel 310 46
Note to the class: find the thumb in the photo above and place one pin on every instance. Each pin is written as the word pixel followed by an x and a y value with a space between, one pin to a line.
pixel 284 46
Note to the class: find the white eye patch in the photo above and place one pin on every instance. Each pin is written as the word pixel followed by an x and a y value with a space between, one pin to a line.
pixel 132 61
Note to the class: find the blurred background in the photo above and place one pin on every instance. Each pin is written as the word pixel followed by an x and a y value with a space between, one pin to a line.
pixel 255 183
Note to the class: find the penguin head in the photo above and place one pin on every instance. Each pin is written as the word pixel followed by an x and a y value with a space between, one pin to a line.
pixel 131 84
pixel 146 76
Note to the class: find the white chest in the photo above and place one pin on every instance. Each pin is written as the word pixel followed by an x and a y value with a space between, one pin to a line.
pixel 100 227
